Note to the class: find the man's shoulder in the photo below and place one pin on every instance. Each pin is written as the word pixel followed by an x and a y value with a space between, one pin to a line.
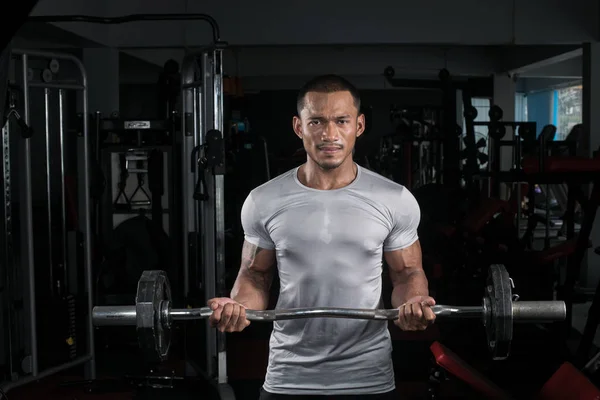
pixel 396 199
pixel 274 187
pixel 382 187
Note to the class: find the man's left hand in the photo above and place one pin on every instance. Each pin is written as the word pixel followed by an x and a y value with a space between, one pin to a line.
pixel 416 314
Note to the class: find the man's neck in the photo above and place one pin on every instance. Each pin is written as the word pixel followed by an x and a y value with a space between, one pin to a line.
pixel 313 176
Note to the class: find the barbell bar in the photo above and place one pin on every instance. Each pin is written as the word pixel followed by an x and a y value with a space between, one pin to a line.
pixel 153 316
pixel 534 311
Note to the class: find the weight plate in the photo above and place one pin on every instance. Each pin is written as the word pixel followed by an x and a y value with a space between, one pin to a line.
pixel 527 131
pixel 495 113
pixel 470 113
pixel 389 72
pixel 152 306
pixel 498 315
pixel 47 75
pixel 54 66
pixel 496 131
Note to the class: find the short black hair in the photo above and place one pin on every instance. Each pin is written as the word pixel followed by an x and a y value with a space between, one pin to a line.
pixel 327 84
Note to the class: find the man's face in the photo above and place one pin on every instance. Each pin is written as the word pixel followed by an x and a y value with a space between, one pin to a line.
pixel 328 125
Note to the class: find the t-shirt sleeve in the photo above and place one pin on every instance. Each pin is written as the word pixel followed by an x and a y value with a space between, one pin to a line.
pixel 255 231
pixel 406 216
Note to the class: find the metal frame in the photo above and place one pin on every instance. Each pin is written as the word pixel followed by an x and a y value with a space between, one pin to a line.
pixel 27 258
pixel 202 104
pixel 106 223
pixel 7 251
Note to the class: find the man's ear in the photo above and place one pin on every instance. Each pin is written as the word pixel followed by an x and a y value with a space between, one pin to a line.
pixel 360 125
pixel 297 126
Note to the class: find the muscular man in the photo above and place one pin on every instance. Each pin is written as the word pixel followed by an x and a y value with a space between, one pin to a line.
pixel 326 226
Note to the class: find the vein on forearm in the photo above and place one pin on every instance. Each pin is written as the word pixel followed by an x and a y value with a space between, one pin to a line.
pixel 408 283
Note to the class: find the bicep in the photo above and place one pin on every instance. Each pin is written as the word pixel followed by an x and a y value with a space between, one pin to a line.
pixel 256 258
pixel 255 231
pixel 405 219
pixel 404 261
pixel 257 268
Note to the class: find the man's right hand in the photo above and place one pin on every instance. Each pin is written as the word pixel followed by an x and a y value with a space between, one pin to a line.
pixel 227 315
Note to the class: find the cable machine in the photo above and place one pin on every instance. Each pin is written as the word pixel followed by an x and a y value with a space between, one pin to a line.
pixel 203 198
pixel 46 235
pixel 202 205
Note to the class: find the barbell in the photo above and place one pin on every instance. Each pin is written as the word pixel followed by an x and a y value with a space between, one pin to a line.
pixel 153 316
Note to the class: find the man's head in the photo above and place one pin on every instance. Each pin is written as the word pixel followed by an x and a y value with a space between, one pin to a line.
pixel 329 120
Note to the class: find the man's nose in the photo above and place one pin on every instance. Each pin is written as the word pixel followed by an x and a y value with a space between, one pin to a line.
pixel 330 132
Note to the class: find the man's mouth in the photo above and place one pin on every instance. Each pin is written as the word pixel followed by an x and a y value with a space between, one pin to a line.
pixel 329 149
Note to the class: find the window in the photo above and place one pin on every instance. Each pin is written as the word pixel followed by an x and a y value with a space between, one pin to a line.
pixel 559 107
pixel 567 104
pixel 521 107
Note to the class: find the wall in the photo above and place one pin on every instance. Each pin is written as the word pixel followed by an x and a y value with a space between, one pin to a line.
pixel 531 85
pixel 567 69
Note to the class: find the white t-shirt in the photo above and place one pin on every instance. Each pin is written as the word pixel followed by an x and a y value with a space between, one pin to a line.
pixel 329 246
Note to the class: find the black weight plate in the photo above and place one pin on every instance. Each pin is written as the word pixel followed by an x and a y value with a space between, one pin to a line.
pixel 495 113
pixel 54 66
pixel 153 329
pixel 47 75
pixel 496 131
pixel 498 319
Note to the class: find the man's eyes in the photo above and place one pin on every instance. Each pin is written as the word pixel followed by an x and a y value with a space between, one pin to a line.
pixel 341 121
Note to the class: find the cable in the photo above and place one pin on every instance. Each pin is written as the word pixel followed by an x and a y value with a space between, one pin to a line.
pixel 4 396
pixel 216 32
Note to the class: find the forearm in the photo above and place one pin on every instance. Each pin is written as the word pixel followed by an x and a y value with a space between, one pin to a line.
pixel 252 291
pixel 253 283
pixel 408 284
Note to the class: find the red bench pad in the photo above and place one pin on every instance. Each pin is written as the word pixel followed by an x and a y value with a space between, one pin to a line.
pixel 531 165
pixel 452 363
pixel 569 383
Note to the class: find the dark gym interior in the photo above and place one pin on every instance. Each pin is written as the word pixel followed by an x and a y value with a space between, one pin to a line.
pixel 133 131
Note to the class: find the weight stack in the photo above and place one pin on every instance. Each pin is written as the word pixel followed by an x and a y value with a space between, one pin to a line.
pixel 72 326
pixel 57 331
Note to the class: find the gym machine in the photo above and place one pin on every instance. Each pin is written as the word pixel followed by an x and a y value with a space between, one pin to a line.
pixel 542 161
pixel 153 316
pixel 448 138
pixel 202 186
pixel 136 207
pixel 412 154
pixel 203 199
pixel 61 239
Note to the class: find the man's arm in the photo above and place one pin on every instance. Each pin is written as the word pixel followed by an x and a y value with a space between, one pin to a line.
pixel 253 283
pixel 406 273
